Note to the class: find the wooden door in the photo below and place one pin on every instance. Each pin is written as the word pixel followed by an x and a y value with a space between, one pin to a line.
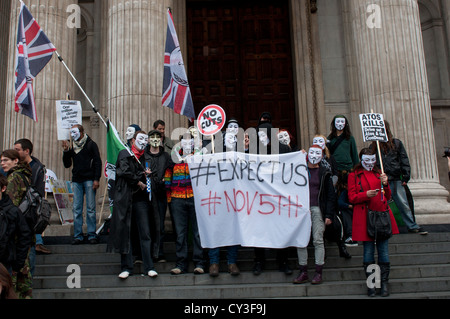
pixel 240 58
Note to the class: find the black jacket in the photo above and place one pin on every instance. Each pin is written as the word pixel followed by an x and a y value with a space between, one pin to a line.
pixel 396 163
pixel 15 235
pixel 87 164
pixel 158 163
pixel 129 172
pixel 327 194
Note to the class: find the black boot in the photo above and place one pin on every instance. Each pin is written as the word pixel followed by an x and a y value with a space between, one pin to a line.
pixel 385 270
pixel 343 250
pixel 371 292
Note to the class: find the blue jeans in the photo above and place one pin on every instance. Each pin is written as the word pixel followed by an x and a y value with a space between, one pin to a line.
pixel 400 199
pixel 382 249
pixel 79 190
pixel 232 252
pixel 183 212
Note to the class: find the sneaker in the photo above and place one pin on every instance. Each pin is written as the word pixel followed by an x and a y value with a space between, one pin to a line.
pixel 176 271
pixel 419 231
pixel 199 271
pixel 152 274
pixel 124 275
pixel 350 243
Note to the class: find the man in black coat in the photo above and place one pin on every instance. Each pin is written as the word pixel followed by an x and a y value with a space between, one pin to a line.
pixel 87 169
pixel 15 234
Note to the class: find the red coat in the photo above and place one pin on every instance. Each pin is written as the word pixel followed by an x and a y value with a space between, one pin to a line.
pixel 368 180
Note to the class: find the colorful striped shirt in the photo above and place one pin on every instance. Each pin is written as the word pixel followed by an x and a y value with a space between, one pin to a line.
pixel 178 182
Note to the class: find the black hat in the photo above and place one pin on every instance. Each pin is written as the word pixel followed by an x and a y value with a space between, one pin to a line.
pixel 153 132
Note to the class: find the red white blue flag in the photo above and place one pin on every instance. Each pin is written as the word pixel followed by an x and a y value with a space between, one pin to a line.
pixel 176 92
pixel 34 50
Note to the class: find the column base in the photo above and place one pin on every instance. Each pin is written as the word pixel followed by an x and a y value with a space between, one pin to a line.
pixel 430 203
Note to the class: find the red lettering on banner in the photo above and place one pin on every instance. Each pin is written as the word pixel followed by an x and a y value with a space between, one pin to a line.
pixel 268 204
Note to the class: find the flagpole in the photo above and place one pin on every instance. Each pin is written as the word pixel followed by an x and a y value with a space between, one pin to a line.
pixel 79 86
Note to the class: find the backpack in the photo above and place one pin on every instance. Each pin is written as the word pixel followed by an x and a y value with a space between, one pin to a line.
pixel 35 208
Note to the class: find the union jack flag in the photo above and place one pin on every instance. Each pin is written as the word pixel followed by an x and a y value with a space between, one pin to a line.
pixel 34 50
pixel 176 92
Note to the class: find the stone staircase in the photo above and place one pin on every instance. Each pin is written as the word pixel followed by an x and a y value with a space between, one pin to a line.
pixel 420 269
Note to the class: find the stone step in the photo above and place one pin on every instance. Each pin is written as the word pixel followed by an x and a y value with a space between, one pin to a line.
pixel 357 289
pixel 165 280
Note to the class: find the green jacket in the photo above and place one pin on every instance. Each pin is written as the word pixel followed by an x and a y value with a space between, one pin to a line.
pixel 346 154
pixel 17 187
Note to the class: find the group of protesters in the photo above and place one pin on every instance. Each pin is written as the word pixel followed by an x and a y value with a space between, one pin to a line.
pixel 152 176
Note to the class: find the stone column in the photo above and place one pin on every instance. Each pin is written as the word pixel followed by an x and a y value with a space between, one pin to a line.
pixel 5 13
pixel 310 100
pixel 392 79
pixel 50 85
pixel 136 32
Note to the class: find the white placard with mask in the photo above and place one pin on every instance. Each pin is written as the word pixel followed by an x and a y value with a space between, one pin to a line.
pixel 68 114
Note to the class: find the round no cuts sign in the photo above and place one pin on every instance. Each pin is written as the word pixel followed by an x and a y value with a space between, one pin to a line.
pixel 211 120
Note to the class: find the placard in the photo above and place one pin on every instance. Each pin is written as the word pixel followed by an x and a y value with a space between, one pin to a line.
pixel 373 127
pixel 63 194
pixel 211 120
pixel 68 114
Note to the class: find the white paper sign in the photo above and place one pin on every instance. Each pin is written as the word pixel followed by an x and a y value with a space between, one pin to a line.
pixel 373 127
pixel 251 200
pixel 68 114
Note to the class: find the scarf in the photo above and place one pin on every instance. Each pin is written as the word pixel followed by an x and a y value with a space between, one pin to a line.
pixel 78 145
pixel 137 152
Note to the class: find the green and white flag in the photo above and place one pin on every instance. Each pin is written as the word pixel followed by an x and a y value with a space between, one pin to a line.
pixel 114 146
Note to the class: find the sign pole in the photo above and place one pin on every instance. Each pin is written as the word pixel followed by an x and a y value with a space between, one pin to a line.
pixel 379 153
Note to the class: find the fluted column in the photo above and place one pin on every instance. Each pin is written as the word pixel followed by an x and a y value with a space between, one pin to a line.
pixel 5 13
pixel 392 79
pixel 136 33
pixel 50 85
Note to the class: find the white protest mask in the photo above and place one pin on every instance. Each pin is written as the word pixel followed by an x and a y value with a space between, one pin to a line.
pixel 187 146
pixel 155 140
pixel 340 123
pixel 233 128
pixel 263 138
pixel 315 155
pixel 284 138
pixel 320 141
pixel 230 140
pixel 75 133
pixel 141 141
pixel 368 162
pixel 130 132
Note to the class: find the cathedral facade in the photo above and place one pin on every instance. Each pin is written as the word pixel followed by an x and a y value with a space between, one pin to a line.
pixel 304 61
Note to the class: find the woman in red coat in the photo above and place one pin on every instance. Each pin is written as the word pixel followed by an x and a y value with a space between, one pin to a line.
pixel 364 190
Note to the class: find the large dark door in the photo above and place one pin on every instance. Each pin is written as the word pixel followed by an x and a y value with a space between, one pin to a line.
pixel 240 58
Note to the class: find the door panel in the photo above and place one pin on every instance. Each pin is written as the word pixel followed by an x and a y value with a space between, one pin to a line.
pixel 240 58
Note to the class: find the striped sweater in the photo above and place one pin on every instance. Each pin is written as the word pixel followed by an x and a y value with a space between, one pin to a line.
pixel 178 182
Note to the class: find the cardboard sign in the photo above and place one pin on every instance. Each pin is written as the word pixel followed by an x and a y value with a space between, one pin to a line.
pixel 373 127
pixel 211 120
pixel 68 114
pixel 251 200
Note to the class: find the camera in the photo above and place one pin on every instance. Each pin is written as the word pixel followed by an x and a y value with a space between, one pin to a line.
pixel 446 152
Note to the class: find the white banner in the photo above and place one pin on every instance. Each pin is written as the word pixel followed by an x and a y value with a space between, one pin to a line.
pixel 250 200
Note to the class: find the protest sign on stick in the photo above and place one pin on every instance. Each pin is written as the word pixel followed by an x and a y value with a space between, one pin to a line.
pixel 68 114
pixel 211 121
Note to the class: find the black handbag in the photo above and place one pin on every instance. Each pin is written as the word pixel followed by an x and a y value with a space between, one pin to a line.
pixel 379 225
